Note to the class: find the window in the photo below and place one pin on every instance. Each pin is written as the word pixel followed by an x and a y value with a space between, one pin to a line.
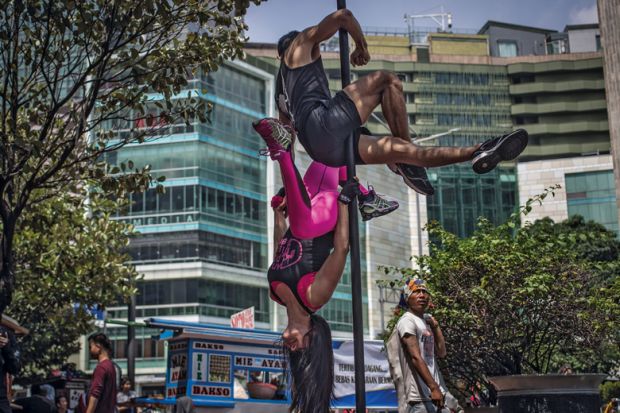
pixel 192 296
pixel 526 120
pixel 461 197
pixel 146 343
pixel 556 47
pixel 198 246
pixel 592 195
pixel 177 198
pixel 598 43
pixel 507 48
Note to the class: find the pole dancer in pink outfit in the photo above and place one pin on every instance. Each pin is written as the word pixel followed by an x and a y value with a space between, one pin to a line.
pixel 309 259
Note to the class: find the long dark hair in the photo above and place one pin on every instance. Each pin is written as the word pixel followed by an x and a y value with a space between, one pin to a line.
pixel 312 370
pixel 285 41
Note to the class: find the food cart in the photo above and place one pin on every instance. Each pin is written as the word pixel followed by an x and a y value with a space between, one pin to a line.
pixel 233 370
pixel 223 369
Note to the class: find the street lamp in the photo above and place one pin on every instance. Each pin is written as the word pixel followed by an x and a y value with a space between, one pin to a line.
pixel 437 135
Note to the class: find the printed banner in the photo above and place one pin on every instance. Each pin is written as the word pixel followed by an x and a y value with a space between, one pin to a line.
pixel 376 369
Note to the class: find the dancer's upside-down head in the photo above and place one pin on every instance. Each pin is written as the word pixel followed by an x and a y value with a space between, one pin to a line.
pixel 310 358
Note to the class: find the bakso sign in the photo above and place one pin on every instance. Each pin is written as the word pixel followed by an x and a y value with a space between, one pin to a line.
pixel 174 391
pixel 236 348
pixel 215 391
pixel 177 346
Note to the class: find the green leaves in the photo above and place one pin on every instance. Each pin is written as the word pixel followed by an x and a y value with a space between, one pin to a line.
pixel 529 299
pixel 70 252
pixel 79 73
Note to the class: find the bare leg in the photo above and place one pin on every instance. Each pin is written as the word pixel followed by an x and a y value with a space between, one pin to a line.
pixel 375 150
pixel 385 88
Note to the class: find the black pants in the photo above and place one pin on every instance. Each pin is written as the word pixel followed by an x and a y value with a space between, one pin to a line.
pixel 5 406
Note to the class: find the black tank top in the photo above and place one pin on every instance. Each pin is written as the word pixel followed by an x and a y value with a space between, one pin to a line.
pixel 297 257
pixel 307 87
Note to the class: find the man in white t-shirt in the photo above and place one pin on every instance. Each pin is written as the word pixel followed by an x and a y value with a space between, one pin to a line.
pixel 422 340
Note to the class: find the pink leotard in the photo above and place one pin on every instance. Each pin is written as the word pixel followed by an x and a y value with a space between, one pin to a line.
pixel 312 206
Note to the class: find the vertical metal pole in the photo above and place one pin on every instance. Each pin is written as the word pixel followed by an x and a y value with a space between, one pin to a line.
pixel 419 222
pixel 354 237
pixel 131 341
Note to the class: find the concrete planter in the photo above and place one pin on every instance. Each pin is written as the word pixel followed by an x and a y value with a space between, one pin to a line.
pixel 551 393
pixel 481 410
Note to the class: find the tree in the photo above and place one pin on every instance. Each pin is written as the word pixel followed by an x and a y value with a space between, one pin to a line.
pixel 73 72
pixel 521 300
pixel 72 261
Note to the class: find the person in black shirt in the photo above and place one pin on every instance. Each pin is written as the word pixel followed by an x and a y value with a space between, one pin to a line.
pixel 323 122
pixel 38 402
pixel 9 364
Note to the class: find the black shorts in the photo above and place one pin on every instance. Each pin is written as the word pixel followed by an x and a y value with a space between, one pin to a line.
pixel 326 129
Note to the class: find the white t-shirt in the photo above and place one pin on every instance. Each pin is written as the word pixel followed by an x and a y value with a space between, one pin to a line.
pixel 415 388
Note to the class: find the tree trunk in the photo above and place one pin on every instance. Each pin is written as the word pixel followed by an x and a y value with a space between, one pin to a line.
pixel 7 275
pixel 609 18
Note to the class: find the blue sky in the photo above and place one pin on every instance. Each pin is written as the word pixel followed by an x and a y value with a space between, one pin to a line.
pixel 273 18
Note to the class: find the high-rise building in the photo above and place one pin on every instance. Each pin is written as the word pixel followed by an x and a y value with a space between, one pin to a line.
pixel 202 244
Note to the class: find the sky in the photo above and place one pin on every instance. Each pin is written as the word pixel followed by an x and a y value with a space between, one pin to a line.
pixel 268 21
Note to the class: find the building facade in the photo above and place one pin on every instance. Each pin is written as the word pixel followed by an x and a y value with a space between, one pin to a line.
pixel 202 244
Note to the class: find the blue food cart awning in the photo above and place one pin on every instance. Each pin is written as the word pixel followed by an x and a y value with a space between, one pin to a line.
pixel 215 331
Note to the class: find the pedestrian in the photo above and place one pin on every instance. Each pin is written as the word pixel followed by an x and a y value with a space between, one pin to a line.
pixel 62 404
pixel 421 342
pixel 9 365
pixel 125 396
pixel 612 406
pixel 102 393
pixel 38 402
pixel 184 404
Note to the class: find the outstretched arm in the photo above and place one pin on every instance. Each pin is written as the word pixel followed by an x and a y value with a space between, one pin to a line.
pixel 329 275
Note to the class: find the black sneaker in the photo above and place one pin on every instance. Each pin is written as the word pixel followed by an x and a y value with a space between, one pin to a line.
pixel 501 148
pixel 415 177
pixel 373 205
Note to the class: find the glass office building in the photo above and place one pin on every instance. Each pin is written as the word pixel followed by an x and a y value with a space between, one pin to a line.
pixel 475 100
pixel 202 244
